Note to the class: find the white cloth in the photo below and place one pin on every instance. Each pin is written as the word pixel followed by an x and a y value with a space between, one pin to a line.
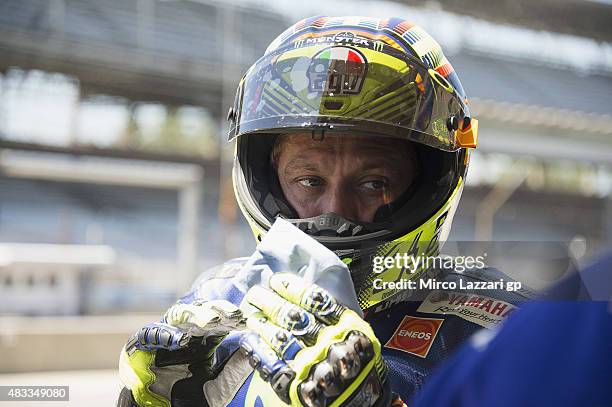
pixel 285 248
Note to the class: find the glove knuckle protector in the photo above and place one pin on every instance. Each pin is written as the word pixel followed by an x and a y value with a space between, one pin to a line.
pixel 338 363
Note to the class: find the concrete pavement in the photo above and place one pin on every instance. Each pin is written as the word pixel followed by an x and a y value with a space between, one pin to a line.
pixel 91 388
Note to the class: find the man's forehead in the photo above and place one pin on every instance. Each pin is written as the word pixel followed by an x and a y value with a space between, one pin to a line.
pixel 331 143
pixel 303 153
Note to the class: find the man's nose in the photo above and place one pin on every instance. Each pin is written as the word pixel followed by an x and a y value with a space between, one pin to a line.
pixel 338 201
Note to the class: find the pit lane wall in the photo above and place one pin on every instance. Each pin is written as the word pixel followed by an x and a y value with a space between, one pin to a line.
pixel 33 344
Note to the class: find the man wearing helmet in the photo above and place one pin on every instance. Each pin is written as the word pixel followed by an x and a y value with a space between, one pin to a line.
pixel 356 130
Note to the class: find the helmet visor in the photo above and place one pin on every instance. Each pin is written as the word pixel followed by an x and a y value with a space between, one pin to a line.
pixel 375 90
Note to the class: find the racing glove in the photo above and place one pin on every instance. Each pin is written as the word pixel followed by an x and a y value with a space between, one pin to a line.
pixel 311 350
pixel 167 363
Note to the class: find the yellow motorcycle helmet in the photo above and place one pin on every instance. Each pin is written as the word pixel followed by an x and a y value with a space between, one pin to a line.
pixel 379 77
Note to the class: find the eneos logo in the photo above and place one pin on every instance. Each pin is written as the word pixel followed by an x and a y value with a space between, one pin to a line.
pixel 415 335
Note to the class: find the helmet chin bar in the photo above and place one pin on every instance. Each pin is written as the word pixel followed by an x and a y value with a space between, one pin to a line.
pixel 333 225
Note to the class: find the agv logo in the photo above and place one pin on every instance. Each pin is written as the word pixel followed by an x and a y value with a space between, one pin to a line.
pixel 337 71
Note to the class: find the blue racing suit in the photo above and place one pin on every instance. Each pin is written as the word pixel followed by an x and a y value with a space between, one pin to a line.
pixel 562 357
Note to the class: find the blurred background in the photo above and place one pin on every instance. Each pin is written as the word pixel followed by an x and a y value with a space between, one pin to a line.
pixel 114 167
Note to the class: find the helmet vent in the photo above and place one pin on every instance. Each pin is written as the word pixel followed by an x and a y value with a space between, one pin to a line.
pixel 333 104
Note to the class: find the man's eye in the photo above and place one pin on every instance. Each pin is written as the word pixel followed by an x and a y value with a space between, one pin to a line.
pixel 310 182
pixel 375 184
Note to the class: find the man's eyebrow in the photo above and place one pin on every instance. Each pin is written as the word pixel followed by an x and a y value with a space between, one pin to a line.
pixel 301 164
pixel 387 162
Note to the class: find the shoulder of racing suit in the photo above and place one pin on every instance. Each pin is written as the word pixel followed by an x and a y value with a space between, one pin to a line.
pixel 417 333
